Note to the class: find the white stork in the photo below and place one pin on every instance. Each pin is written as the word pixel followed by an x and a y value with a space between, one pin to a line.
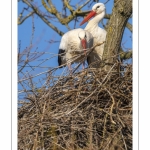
pixel 99 34
pixel 71 42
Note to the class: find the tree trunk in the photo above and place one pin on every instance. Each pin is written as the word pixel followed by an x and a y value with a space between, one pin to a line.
pixel 121 12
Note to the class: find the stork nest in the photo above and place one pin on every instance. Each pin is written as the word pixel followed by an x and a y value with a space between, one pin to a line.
pixel 88 110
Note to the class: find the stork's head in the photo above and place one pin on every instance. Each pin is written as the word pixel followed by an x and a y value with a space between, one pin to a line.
pixel 83 38
pixel 97 9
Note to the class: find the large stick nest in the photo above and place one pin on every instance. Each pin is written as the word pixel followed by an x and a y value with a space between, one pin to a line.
pixel 90 110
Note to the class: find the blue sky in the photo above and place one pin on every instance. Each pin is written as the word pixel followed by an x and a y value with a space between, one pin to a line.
pixel 43 34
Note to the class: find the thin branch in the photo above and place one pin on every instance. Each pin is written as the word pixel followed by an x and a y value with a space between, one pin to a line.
pixel 81 103
pixel 107 16
pixel 44 19
pixel 111 109
pixel 129 26
pixel 46 7
pixel 52 26
pixel 106 1
pixel 25 62
pixel 34 76
pixel 68 6
pixel 84 4
pixel 123 140
pixel 20 21
pixel 125 55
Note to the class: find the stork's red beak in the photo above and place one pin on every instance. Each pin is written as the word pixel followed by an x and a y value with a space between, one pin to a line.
pixel 90 15
pixel 83 42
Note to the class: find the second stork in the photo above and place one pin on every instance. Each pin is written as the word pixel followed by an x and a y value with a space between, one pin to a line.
pixel 99 34
pixel 71 42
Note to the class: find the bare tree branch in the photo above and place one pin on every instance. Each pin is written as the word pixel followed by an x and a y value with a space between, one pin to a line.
pixel 125 55
pixel 129 26
pixel 44 19
pixel 21 20
pixel 84 4
pixel 68 6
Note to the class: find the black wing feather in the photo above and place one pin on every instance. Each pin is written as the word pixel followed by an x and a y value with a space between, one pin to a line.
pixel 88 60
pixel 61 53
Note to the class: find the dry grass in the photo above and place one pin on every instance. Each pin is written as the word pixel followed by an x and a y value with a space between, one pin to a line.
pixel 89 110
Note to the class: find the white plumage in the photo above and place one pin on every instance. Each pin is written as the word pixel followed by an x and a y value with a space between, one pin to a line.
pixel 99 34
pixel 74 40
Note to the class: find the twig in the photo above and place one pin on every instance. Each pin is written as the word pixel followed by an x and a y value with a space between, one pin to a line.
pixel 44 19
pixel 123 140
pixel 111 109
pixel 106 1
pixel 81 102
pixel 84 4
pixel 21 20
pixel 112 139
pixel 129 26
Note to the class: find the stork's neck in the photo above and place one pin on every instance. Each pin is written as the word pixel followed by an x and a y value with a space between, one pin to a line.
pixel 94 22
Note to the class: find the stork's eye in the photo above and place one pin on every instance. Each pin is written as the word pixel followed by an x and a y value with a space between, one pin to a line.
pixel 85 36
pixel 79 38
pixel 97 7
